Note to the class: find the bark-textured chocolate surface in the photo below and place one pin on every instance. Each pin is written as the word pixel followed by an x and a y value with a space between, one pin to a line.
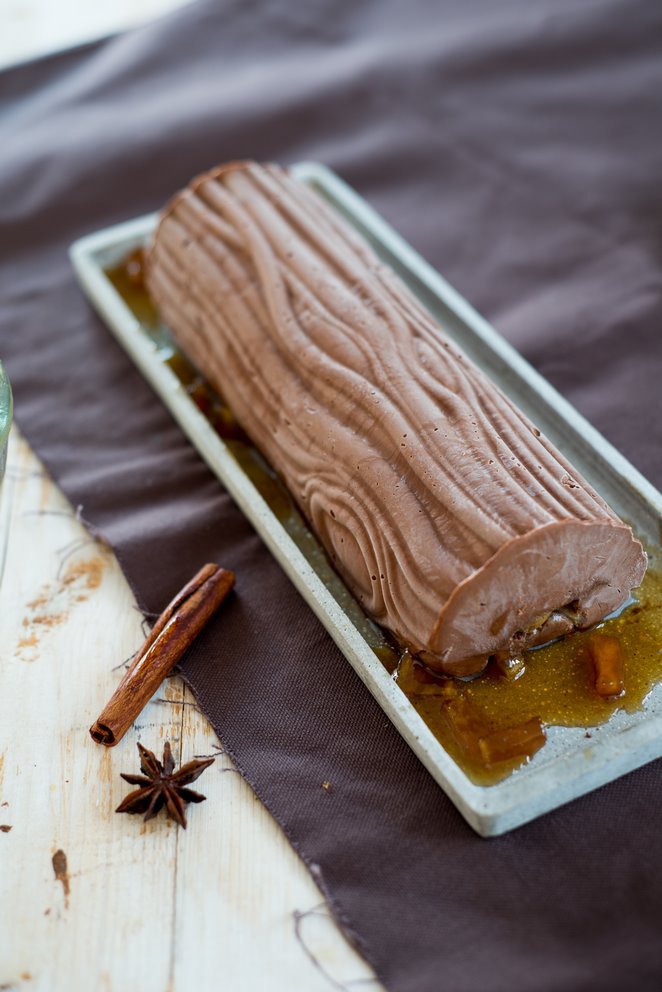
pixel 455 523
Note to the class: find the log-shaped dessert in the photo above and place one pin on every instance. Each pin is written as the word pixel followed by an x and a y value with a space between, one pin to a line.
pixel 456 524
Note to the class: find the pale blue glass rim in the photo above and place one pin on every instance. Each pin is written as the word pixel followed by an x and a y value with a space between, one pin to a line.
pixel 6 408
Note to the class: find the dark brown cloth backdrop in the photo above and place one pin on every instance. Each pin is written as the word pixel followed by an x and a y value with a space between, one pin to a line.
pixel 517 145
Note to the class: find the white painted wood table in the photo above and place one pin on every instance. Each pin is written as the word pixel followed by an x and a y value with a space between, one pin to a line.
pixel 93 900
pixel 31 28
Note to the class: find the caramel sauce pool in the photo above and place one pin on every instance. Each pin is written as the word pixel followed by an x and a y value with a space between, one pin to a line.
pixel 557 684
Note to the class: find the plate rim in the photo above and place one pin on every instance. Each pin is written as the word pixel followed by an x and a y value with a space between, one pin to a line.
pixel 529 792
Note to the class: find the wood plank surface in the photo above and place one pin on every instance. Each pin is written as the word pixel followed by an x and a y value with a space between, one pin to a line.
pixel 93 900
pixel 32 28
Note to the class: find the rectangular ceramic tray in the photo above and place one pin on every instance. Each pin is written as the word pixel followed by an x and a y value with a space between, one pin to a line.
pixel 568 766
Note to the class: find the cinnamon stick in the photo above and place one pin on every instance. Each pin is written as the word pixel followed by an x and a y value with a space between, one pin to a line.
pixel 172 634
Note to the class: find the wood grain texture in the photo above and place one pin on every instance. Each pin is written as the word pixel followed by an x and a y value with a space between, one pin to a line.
pixel 456 524
pixel 125 905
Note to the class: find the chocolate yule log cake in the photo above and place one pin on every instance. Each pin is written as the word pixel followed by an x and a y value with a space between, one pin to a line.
pixel 455 523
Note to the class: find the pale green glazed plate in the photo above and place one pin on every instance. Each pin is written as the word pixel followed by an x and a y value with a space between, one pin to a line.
pixel 5 417
pixel 570 764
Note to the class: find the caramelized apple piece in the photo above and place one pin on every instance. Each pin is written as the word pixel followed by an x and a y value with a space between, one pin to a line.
pixel 135 267
pixel 521 741
pixel 415 678
pixel 465 725
pixel 508 744
pixel 510 666
pixel 608 662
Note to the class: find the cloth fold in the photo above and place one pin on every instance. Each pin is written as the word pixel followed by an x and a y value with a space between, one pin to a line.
pixel 517 147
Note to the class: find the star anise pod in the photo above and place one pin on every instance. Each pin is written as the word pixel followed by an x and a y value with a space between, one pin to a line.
pixel 161 786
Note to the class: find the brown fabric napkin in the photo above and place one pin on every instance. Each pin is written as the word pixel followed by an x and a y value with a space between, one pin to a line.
pixel 517 146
